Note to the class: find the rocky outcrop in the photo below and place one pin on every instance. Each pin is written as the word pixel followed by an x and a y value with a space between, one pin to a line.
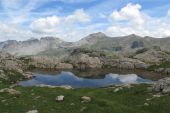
pixel 45 62
pixel 12 66
pixel 153 56
pixel 125 63
pixel 8 61
pixel 84 61
pixel 162 86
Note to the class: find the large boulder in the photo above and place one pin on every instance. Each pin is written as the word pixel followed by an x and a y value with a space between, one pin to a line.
pixel 162 86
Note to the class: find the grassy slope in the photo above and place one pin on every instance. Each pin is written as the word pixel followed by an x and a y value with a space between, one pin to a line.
pixel 103 101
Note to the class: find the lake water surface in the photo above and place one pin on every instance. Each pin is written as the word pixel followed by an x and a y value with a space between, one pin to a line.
pixel 69 78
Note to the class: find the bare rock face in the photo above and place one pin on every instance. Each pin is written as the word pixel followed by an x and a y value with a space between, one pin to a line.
pixel 84 61
pixel 44 62
pixel 125 63
pixel 162 86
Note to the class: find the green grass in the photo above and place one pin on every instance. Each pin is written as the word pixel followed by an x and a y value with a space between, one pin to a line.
pixel 162 65
pixel 104 100
pixel 12 77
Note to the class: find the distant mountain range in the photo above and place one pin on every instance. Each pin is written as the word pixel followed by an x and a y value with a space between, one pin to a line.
pixel 96 41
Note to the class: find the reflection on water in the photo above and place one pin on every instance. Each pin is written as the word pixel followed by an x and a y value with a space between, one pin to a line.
pixel 68 78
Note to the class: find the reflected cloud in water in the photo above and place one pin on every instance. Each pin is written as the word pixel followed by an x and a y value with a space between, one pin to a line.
pixel 68 78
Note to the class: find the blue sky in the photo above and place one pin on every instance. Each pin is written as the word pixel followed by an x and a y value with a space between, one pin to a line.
pixel 72 20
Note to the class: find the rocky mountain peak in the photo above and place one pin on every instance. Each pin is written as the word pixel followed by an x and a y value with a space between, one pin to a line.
pixel 133 36
pixel 98 34
pixel 95 36
pixel 51 39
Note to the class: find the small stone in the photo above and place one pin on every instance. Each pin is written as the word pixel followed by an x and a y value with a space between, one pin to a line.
pixel 157 95
pixel 85 99
pixel 148 99
pixel 146 104
pixel 72 104
pixel 32 111
pixel 3 100
pixel 83 109
pixel 60 98
pixel 116 90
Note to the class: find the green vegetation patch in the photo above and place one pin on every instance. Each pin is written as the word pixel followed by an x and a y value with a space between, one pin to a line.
pixel 162 65
pixel 104 100
pixel 11 76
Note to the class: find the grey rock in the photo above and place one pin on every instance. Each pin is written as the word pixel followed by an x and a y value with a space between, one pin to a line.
pixel 84 61
pixel 162 86
pixel 60 98
pixel 64 66
pixel 85 99
pixel 10 91
pixel 167 71
pixel 32 111
pixel 146 104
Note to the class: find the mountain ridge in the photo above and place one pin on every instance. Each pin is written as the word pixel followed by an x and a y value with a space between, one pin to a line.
pixel 98 41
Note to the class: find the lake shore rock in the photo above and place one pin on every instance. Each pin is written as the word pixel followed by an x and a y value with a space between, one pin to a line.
pixel 162 86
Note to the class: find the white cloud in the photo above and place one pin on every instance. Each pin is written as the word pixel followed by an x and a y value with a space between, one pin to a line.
pixel 131 20
pixel 45 25
pixel 13 31
pixel 78 16
pixel 67 27
pixel 130 12
pixel 19 22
